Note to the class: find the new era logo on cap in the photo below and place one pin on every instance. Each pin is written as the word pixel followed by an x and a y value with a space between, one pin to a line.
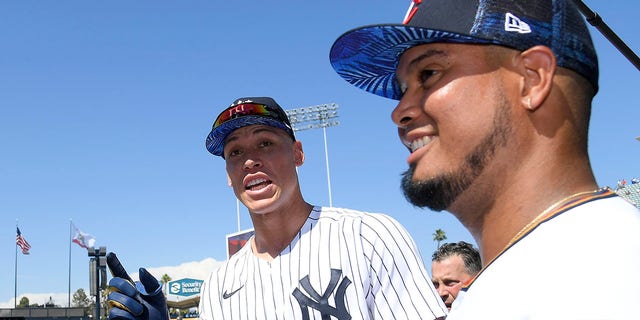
pixel 513 23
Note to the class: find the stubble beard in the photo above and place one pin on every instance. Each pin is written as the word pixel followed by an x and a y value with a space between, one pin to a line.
pixel 439 192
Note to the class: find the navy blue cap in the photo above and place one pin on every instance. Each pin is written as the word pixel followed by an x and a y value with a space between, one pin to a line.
pixel 245 112
pixel 367 57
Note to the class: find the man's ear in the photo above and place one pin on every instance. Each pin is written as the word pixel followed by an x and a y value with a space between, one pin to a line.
pixel 298 153
pixel 539 69
pixel 229 181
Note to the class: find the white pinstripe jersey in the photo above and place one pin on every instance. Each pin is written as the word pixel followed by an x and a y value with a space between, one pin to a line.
pixel 343 264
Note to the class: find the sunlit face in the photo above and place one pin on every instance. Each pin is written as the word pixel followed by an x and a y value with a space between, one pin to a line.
pixel 261 166
pixel 453 118
pixel 448 276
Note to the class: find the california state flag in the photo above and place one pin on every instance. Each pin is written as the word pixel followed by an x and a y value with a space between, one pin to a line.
pixel 84 240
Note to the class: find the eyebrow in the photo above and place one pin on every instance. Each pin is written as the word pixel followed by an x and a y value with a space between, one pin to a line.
pixel 427 54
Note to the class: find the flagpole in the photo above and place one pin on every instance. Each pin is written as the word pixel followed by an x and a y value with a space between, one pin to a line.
pixel 238 212
pixel 70 235
pixel 15 276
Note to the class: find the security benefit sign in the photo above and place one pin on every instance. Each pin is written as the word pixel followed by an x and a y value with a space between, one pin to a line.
pixel 185 287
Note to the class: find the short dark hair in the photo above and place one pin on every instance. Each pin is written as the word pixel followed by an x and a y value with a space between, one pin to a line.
pixel 470 255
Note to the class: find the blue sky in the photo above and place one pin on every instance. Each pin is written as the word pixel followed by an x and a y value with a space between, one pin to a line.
pixel 105 106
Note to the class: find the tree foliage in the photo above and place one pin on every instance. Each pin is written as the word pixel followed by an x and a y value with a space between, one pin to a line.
pixel 439 236
pixel 165 279
pixel 24 302
pixel 80 299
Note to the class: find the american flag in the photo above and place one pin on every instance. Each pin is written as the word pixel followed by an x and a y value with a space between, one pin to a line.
pixel 22 242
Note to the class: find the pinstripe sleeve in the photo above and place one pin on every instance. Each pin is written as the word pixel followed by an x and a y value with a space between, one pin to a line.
pixel 401 287
pixel 205 304
pixel 208 301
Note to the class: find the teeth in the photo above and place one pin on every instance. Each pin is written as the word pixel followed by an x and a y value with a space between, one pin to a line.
pixel 255 182
pixel 418 143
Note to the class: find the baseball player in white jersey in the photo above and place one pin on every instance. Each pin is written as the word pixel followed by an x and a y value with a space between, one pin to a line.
pixel 304 261
pixel 342 263
pixel 494 101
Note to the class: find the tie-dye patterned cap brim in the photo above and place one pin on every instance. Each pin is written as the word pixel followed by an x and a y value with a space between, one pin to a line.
pixel 367 57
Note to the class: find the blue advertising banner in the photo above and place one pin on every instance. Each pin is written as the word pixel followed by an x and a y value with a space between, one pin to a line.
pixel 185 287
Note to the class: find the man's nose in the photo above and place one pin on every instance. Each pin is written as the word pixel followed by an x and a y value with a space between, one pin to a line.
pixel 252 162
pixel 442 291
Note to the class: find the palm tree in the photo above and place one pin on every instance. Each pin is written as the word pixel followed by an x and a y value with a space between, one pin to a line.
pixel 439 236
pixel 165 279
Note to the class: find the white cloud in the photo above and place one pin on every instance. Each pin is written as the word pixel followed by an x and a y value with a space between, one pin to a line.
pixel 60 299
pixel 195 270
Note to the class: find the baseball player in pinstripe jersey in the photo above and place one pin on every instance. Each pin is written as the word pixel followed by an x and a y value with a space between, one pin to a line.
pixel 304 261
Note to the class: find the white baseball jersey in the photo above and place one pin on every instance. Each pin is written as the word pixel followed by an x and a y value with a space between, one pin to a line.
pixel 343 264
pixel 580 263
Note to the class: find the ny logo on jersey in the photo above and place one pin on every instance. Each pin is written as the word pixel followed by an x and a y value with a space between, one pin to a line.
pixel 321 302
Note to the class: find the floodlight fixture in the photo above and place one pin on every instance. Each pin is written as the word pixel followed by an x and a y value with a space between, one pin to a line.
pixel 315 117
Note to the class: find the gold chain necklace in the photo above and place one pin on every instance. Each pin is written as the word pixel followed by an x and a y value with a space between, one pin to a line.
pixel 545 212
pixel 530 224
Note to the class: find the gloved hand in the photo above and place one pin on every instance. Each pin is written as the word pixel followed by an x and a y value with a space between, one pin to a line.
pixel 143 300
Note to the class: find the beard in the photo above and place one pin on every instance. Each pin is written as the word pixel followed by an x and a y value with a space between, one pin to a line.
pixel 439 192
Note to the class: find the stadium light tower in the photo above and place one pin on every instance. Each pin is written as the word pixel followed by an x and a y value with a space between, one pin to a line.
pixel 315 117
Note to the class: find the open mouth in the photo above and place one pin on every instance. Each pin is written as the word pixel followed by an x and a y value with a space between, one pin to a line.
pixel 257 184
